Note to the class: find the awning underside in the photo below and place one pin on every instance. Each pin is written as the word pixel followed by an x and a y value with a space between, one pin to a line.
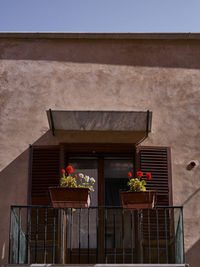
pixel 100 121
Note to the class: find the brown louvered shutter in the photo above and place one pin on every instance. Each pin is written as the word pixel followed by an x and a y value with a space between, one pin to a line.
pixel 45 173
pixel 157 160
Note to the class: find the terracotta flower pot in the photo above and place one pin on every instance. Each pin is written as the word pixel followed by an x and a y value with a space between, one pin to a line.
pixel 64 197
pixel 138 200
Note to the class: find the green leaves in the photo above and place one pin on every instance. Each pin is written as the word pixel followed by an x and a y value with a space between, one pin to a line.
pixel 85 181
pixel 68 181
pixel 137 185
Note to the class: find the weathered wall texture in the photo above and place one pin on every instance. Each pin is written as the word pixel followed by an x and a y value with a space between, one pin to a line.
pixel 101 74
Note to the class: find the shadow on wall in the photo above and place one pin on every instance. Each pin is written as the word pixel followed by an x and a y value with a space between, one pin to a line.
pixel 13 191
pixel 190 197
pixel 14 183
pixel 152 53
pixel 193 255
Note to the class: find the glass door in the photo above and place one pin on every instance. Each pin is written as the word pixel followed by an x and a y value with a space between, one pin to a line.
pixel 84 220
pixel 87 166
pixel 97 232
pixel 115 178
pixel 110 174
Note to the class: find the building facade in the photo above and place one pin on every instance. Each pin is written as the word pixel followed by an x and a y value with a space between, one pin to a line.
pixel 101 72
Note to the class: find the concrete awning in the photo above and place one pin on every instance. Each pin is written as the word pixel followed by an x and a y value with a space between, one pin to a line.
pixel 137 122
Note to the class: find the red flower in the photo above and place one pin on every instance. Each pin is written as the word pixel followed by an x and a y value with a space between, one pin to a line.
pixel 75 176
pixel 139 174
pixel 69 169
pixel 148 175
pixel 129 174
pixel 63 171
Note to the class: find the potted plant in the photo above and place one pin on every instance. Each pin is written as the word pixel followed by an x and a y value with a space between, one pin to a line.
pixel 74 190
pixel 138 197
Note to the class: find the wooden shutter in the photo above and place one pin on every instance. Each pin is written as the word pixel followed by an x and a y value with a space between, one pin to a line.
pixel 157 160
pixel 45 173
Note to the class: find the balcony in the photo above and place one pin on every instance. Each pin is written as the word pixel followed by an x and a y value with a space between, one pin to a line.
pixel 106 235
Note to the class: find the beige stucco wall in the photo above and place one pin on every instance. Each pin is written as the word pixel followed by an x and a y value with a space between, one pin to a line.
pixel 101 74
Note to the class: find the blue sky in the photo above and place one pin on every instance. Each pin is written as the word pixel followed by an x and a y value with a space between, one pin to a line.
pixel 100 15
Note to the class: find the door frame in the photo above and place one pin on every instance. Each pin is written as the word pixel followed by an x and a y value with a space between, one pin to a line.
pixel 100 151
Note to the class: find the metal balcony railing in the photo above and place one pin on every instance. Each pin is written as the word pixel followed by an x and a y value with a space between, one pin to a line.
pixel 43 234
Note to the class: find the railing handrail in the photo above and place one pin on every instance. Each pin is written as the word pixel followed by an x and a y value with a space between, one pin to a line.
pixel 91 207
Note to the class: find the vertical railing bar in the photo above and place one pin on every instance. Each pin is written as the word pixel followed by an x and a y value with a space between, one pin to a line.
pixel 123 254
pixel 134 236
pixel 65 237
pixel 182 224
pixel 131 236
pixel 71 214
pixel 54 236
pixel 67 226
pixel 105 233
pixel 97 234
pixel 45 234
pixel 27 231
pixel 30 234
pixel 36 235
pixel 88 252
pixel 58 235
pixel 174 237
pixel 19 226
pixel 166 238
pixel 157 236
pixel 115 252
pixel 141 234
pixel 105 242
pixel 79 236
pixel 62 235
pixel 136 244
pixel 10 237
pixel 169 223
pixel 149 236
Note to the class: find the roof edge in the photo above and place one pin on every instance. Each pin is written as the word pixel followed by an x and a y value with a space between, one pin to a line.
pixel 86 35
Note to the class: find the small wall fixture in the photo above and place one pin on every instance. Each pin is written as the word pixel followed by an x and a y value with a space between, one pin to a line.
pixel 192 164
